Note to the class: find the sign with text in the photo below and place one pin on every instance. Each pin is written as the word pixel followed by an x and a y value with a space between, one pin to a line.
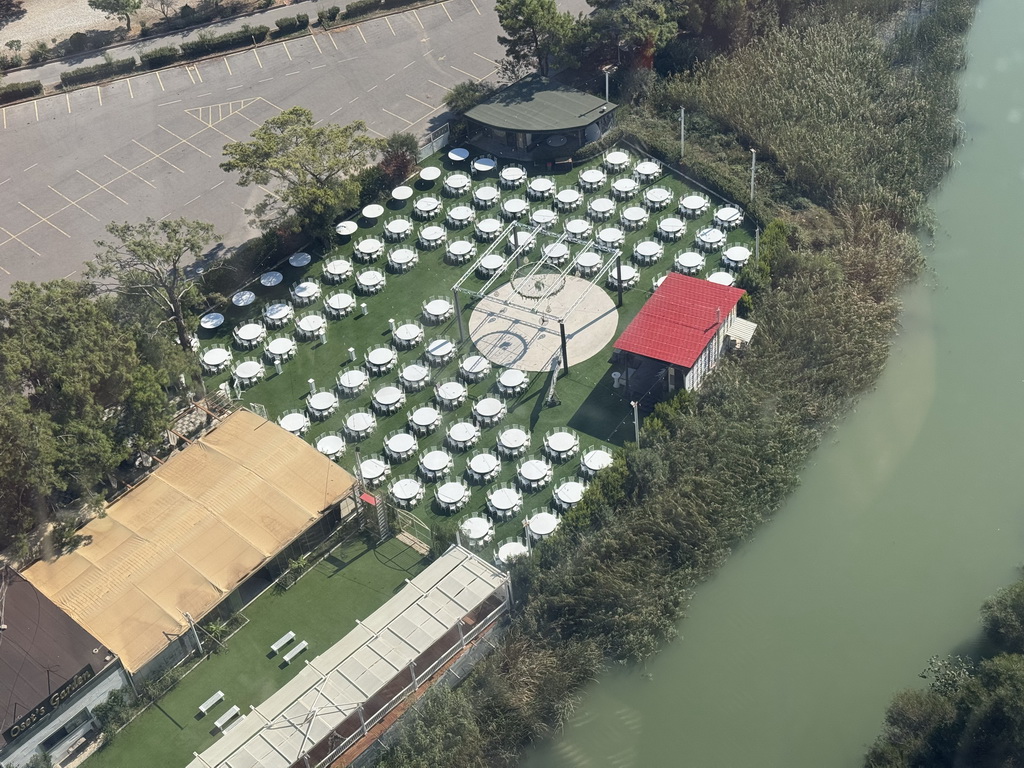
pixel 35 715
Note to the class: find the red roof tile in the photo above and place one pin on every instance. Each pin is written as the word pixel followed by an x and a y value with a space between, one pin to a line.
pixel 679 320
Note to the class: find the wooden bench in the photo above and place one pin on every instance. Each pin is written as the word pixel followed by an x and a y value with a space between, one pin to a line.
pixel 282 642
pixel 295 652
pixel 226 718
pixel 207 705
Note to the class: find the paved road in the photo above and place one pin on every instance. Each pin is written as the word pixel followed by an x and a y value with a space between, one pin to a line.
pixel 150 145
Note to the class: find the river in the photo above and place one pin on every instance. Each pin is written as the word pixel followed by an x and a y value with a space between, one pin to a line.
pixel 909 515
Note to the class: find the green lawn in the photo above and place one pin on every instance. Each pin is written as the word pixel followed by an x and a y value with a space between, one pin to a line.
pixel 588 403
pixel 323 606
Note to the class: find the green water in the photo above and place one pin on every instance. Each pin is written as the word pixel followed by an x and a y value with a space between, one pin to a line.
pixel 908 517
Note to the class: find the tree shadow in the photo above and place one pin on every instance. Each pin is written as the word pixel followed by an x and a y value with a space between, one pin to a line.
pixel 11 10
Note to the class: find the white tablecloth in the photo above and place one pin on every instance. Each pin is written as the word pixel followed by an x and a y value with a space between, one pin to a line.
pixel 381 357
pixel 625 273
pixel 556 252
pixel 492 262
pixel 330 445
pixel 401 443
pixel 427 204
pixel 543 216
pixel 602 205
pixel 610 236
pixel 454 493
pixel 460 213
pixel 722 278
pixel 634 214
pixel 458 181
pixel 512 173
pixel 506 499
pixel 402 256
pixel 438 307
pixel 387 396
pixel 657 195
pixel 311 323
pixel 407 489
pixel 577 227
pixel 460 247
pixel 413 373
pixel 514 206
pixel 486 194
pixel 690 260
pixel 737 254
pixel 624 186
pixel 425 417
pixel 322 401
pixel 281 347
pixel 408 333
pixel 561 442
pixel 432 234
pixel 451 391
pixel 588 260
pixel 711 236
pixel 592 176
pixel 534 470
pixel 475 527
pixel 475 365
pixel 671 225
pixel 369 246
pixel 647 168
pixel 488 226
pixel 353 379
pixel 372 469
pixel 371 278
pixel 512 550
pixel 292 422
pixel 436 461
pixel 484 463
pixel 489 407
pixel 360 421
pixel 513 438
pixel 463 432
pixel 512 378
pixel 339 267
pixel 617 157
pixel 568 196
pixel 694 202
pixel 398 227
pixel 543 524
pixel 250 332
pixel 216 356
pixel 570 492
pixel 306 290
pixel 248 369
pixel 341 301
pixel 597 460
pixel 541 186
pixel 648 249
pixel 440 348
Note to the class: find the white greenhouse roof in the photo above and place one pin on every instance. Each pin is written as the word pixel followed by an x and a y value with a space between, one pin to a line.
pixel 742 330
pixel 334 684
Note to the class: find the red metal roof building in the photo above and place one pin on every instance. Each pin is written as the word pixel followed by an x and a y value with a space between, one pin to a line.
pixel 683 325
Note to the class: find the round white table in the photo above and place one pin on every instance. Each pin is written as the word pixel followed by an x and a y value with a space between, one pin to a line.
pixel 401 444
pixel 243 298
pixel 371 246
pixel 514 206
pixel 451 392
pixel 617 158
pixel 488 227
pixel 436 461
pixel 624 186
pixel 556 253
pixel 458 154
pixel 657 196
pixel 438 308
pixel 543 524
pixel 341 302
pixel 625 274
pixel 270 279
pixel 512 174
pixel 711 237
pixel 634 215
pixel 512 378
pixel 216 357
pixel 475 366
pixel 454 493
pixel 211 320
pixel 489 408
pixel 561 442
pixel 381 357
pixel 689 261
pixel 505 499
pixel 460 214
pixel 484 464
pixel 370 279
pixel 413 374
pixel 601 206
pixel 492 262
pixel 398 227
pixel 373 211
pixel 339 268
pixel 306 290
pixel 647 168
pixel 402 257
pixel 360 422
pixel 578 227
pixel 426 418
pixel 463 432
pixel 346 228
pixel 460 249
pixel 737 255
pixel 247 370
pixel 511 550
pixel 570 493
pixel 542 217
pixel 372 469
pixel 388 396
pixel 474 528
pixel 523 240
pixel 727 215
pixel 426 204
pixel 694 204
pixel 513 438
pixel 593 177
pixel 535 470
pixel 430 173
pixel 282 346
pixel 648 250
pixel 251 332
pixel 541 186
pixel 353 380
pixel 330 445
pixel 610 236
pixel 588 261
pixel 457 182
pixel 432 234
pixel 440 349
pixel 408 490
pixel 485 195
pixel 401 193
pixel 597 459
pixel 300 259
pixel 568 197
pixel 409 333
pixel 312 323
pixel 721 278
pixel 671 226
pixel 292 422
pixel 321 402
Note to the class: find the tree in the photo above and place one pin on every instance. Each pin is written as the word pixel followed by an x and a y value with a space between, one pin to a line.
pixel 1003 617
pixel 535 31
pixel 164 6
pixel 117 9
pixel 148 261
pixel 640 25
pixel 313 166
pixel 398 156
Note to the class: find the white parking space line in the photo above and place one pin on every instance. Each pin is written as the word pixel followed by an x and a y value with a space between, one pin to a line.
pixel 129 170
pixel 72 202
pixel 44 219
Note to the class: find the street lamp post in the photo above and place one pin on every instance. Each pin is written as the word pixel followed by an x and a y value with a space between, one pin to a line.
pixel 682 131
pixel 753 170
pixel 636 420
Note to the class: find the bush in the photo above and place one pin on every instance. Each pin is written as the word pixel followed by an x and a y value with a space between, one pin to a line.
pixel 204 46
pixel 160 57
pixel 17 91
pixel 102 71
pixel 291 24
pixel 40 52
pixel 329 17
pixel 373 184
pixel 78 42
pixel 10 61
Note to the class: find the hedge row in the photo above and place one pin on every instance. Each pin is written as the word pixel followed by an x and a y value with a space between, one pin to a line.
pixel 16 91
pixel 291 24
pixel 160 57
pixel 329 17
pixel 102 71
pixel 366 7
pixel 227 41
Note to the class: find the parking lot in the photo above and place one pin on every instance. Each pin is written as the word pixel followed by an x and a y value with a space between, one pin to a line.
pixel 150 144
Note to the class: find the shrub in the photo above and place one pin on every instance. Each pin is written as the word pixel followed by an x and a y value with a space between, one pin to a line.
pixel 204 46
pixel 10 61
pixel 106 69
pixel 40 52
pixel 373 183
pixel 291 24
pixel 328 17
pixel 78 42
pixel 160 57
pixel 16 91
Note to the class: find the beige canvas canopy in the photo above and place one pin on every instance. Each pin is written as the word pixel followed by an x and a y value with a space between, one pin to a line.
pixel 187 536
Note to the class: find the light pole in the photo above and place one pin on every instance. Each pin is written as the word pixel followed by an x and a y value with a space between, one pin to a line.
pixel 753 170
pixel 682 131
pixel 636 420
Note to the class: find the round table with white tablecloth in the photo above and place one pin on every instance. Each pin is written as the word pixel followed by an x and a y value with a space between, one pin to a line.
pixel 488 228
pixel 521 240
pixel 426 205
pixel 491 263
pixel 372 469
pixel 485 195
pixel 216 358
pixel 647 251
pixel 430 173
pixel 728 216
pixel 460 215
pixel 369 248
pixel 484 465
pixel 689 262
pixel 353 380
pixel 601 208
pixel 293 422
pixel 509 551
pixel 322 402
pixel 460 250
pixel 300 259
pixel 248 371
pixel 542 217
pixel 505 501
pixel 330 445
pixel 407 491
pixel 512 175
pixel 561 443
pixel 436 462
pixel 476 528
pixel 625 275
pixel 513 439
pixel 341 302
pixel 657 197
pixel 437 310
pixel 634 217
pixel 388 397
pixel 736 255
pixel 456 183
pixel 432 236
pixel 488 409
pixel 569 493
pixel 541 186
pixel 211 320
pixel 578 227
pixel 278 313
pixel 398 228
pixel 568 198
pixel 281 347
pixel 453 494
pixel 243 298
pixel 671 228
pixel 693 205
pixel 624 187
pixel 535 471
pixel 425 418
pixel 647 169
pixel 514 206
pixel 414 376
pixel 616 159
pixel 402 259
pixel 592 177
pixel 251 332
pixel 542 524
pixel 463 434
pixel 311 324
pixel 306 291
pixel 400 445
pixel 610 236
pixel 596 459
pixel 360 423
pixel 338 269
pixel 474 367
pixel 440 350
pixel 381 357
pixel 512 380
pixel 710 238
pixel 370 280
pixel 556 253
pixel 408 335
pixel 270 279
pixel 588 263
pixel 450 393
pixel 722 278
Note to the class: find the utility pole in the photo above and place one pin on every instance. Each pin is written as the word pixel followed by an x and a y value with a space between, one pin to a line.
pixel 636 420
pixel 682 131
pixel 753 170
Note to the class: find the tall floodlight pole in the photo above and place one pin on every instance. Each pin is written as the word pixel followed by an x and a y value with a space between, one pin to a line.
pixel 682 131
pixel 606 85
pixel 636 420
pixel 753 170
pixel 458 314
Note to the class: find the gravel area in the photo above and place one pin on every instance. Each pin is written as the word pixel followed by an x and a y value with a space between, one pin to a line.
pixel 47 19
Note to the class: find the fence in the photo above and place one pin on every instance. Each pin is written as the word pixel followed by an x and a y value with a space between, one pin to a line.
pixel 437 139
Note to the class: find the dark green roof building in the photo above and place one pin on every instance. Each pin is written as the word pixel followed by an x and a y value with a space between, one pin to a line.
pixel 539 117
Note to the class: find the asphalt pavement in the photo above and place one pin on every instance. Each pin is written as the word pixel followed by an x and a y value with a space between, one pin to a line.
pixel 150 145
